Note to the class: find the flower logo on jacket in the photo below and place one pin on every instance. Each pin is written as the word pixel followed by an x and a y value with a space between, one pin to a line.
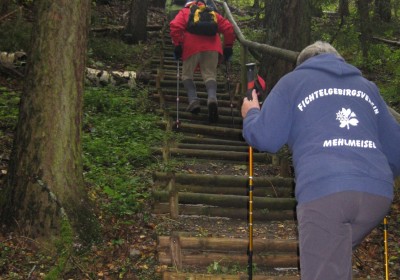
pixel 346 118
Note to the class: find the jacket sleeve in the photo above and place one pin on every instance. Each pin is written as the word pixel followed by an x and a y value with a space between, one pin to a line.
pixel 268 129
pixel 389 132
pixel 226 28
pixel 178 26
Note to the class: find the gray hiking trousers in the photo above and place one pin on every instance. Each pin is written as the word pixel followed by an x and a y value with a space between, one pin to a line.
pixel 331 227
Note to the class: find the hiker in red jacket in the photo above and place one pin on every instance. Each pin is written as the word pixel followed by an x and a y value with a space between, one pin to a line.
pixel 201 50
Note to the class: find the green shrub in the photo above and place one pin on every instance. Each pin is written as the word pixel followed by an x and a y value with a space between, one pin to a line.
pixel 117 146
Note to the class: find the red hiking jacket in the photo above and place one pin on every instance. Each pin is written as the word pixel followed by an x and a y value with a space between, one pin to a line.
pixel 192 43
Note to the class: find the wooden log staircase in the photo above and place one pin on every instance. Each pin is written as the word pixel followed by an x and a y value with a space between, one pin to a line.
pixel 187 196
pixel 204 188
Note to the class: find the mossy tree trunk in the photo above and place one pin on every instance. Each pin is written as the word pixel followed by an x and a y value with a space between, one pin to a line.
pixel 45 182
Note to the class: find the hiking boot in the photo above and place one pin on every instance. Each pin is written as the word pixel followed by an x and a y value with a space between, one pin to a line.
pixel 194 107
pixel 212 110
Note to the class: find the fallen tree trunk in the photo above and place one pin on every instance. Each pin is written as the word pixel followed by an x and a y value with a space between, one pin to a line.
pixel 14 64
pixel 115 78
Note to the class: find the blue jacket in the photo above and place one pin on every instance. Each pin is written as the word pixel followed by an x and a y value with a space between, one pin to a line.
pixel 337 125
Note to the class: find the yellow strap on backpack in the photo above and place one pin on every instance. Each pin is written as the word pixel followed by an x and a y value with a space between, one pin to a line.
pixel 200 10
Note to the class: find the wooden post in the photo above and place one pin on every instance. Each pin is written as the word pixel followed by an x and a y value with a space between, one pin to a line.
pixel 284 167
pixel 173 198
pixel 166 153
pixel 176 250
pixel 159 89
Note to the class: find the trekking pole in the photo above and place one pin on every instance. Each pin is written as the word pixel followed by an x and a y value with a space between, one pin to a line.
pixel 177 94
pixel 228 82
pixel 250 87
pixel 385 242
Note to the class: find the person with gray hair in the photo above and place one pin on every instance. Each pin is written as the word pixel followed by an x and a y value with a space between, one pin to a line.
pixel 319 47
pixel 345 150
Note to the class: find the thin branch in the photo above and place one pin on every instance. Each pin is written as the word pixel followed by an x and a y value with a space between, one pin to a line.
pixel 390 42
pixel 9 14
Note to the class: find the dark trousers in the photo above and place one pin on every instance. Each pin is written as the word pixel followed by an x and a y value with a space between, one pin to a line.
pixel 331 227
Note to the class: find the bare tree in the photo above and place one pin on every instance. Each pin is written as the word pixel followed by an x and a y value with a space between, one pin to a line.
pixel 45 182
pixel 137 23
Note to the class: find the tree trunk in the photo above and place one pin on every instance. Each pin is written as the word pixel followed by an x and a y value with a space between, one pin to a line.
pixel 383 10
pixel 136 28
pixel 157 3
pixel 344 10
pixel 289 27
pixel 256 4
pixel 365 28
pixel 45 183
pixel 4 6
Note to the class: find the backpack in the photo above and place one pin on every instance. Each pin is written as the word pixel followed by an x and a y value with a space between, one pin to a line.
pixel 202 20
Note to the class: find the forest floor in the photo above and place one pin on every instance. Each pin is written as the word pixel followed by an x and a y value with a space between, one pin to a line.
pixel 128 247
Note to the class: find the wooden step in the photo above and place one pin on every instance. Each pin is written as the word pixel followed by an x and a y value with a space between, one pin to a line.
pixel 227 212
pixel 227 201
pixel 201 94
pixel 168 275
pixel 183 99
pixel 181 250
pixel 225 180
pixel 193 276
pixel 223 120
pixel 212 141
pixel 199 85
pixel 225 133
pixel 214 155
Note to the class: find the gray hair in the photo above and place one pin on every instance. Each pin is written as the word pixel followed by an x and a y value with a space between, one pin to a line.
pixel 319 47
